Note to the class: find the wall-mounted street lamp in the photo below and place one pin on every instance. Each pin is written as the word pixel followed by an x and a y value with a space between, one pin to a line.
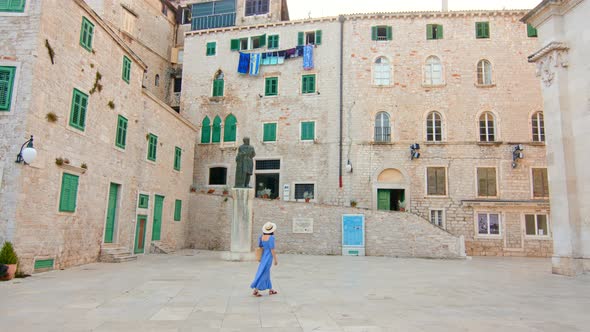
pixel 349 167
pixel 414 154
pixel 28 154
pixel 517 154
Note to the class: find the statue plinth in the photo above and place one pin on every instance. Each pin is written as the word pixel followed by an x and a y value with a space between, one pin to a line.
pixel 241 226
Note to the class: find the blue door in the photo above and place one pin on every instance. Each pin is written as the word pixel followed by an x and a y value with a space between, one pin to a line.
pixel 353 230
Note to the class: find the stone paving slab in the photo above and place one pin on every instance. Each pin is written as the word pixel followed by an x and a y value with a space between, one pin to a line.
pixel 197 291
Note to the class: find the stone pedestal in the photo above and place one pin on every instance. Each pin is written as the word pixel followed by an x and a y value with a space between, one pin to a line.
pixel 241 226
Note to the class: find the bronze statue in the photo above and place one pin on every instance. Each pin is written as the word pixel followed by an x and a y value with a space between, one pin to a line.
pixel 245 166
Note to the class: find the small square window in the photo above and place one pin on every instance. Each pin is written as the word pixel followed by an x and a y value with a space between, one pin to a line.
pixel 217 176
pixel 531 31
pixel 434 31
pixel 273 42
pixel 536 225
pixel 307 131
pixel 211 48
pixel 270 133
pixel 488 224
pixel 271 87
pixel 308 84
pixel 144 201
pixel 482 30
pixel 381 32
pixel 304 190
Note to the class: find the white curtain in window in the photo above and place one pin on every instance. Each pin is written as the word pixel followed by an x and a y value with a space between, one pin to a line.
pixel 382 72
pixel 433 71
pixel 484 72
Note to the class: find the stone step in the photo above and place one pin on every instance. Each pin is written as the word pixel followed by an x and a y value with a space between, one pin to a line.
pixel 123 259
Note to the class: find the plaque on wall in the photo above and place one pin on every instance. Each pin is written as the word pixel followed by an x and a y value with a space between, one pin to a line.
pixel 302 225
pixel 286 192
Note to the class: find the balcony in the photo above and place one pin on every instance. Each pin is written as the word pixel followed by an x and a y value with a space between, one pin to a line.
pixel 214 21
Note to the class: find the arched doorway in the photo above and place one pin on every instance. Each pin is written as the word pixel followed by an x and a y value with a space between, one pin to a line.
pixel 390 190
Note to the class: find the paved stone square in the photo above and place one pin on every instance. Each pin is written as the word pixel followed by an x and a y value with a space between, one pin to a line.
pixel 196 291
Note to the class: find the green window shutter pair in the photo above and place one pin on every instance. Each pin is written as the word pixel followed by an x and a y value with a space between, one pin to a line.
pixel 262 40
pixel 235 45
pixel 177 210
pixel 216 137
pixel 270 132
pixel 152 147
pixel 6 85
pixel 531 31
pixel 144 201
pixel 12 6
pixel 273 42
pixel 206 131
pixel 271 86
pixel 86 34
pixel 177 158
pixel 211 48
pixel 308 84
pixel 126 69
pixel 482 30
pixel 218 88
pixel 434 31
pixel 301 38
pixel 121 139
pixel 78 112
pixel 388 32
pixel 307 131
pixel 230 129
pixel 69 193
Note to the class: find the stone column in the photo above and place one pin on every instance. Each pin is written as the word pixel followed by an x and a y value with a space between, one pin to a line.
pixel 241 226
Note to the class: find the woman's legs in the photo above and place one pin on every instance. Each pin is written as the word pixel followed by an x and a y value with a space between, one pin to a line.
pixel 256 293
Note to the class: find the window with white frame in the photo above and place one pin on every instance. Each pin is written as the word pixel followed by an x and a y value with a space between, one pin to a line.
pixel 484 72
pixel 381 72
pixel 304 190
pixel 536 225
pixel 434 127
pixel 128 21
pixel 487 127
pixel 488 224
pixel 538 127
pixel 433 71
pixel 382 128
pixel 437 218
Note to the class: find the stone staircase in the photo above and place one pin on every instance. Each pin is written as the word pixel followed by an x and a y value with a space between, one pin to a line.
pixel 113 253
pixel 158 247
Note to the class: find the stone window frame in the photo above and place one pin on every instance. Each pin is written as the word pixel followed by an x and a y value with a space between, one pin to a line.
pixel 15 84
pixel 25 11
pixel 481 72
pixel 444 217
pixel 497 182
pixel 426 195
pixel 276 134
pixel 496 122
pixel 315 190
pixel 431 83
pixel 208 174
pixel 391 127
pixel 548 236
pixel 500 235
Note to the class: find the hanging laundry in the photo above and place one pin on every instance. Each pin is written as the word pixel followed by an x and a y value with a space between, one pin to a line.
pixel 244 63
pixel 255 64
pixel 299 51
pixel 308 57
pixel 290 53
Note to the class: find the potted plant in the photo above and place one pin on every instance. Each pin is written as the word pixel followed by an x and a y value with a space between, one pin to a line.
pixel 193 188
pixel 264 193
pixel 210 191
pixel 402 206
pixel 307 196
pixel 225 190
pixel 8 257
pixel 353 203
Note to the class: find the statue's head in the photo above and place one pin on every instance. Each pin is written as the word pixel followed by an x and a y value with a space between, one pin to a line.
pixel 247 140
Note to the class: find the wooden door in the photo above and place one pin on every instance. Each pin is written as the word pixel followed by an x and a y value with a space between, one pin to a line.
pixel 140 234
pixel 157 226
pixel 383 199
pixel 111 213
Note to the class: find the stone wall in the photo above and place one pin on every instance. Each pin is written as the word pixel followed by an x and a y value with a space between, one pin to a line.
pixel 394 234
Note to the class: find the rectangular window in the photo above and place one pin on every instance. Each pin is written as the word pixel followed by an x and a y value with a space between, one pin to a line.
pixel 7 75
pixel 218 88
pixel 436 181
pixel 536 225
pixel 268 164
pixel 381 32
pixel 144 201
pixel 256 7
pixel 271 86
pixel 540 183
pixel 213 14
pixel 217 176
pixel 177 158
pixel 270 132
pixel 273 42
pixel 486 182
pixel 78 111
pixel 531 31
pixel 243 44
pixel 307 131
pixel 126 69
pixel 309 38
pixel 15 6
pixel 211 48
pixel 434 31
pixel 488 224
pixel 69 193
pixel 258 41
pixel 177 84
pixel 152 147
pixel 128 21
pixel 308 84
pixel 121 139
pixel 437 218
pixel 177 210
pixel 482 30
pixel 86 34
pixel 186 15
pixel 304 190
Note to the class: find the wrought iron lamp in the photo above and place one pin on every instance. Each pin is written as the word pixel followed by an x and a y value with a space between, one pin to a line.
pixel 28 154
pixel 414 154
pixel 517 154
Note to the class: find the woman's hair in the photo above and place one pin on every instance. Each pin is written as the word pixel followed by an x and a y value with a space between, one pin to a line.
pixel 273 233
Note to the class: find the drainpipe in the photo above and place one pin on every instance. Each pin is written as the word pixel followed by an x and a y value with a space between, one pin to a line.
pixel 341 20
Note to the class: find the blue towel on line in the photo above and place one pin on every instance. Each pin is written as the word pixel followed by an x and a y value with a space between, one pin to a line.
pixel 244 63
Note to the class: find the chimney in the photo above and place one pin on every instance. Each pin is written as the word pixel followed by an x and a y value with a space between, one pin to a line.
pixel 445 5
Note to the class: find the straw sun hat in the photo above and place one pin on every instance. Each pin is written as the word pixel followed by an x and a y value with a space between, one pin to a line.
pixel 269 227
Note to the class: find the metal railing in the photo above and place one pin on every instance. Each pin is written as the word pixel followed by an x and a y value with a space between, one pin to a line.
pixel 213 21
pixel 382 134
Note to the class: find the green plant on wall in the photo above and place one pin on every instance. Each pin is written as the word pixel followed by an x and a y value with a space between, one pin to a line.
pixel 111 104
pixel 51 117
pixel 97 86
pixel 7 254
pixel 50 51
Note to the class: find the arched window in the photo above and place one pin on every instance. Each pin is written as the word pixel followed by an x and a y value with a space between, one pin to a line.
pixel 434 127
pixel 484 72
pixel 229 129
pixel 218 84
pixel 381 72
pixel 433 71
pixel 216 138
pixel 487 128
pixel 206 131
pixel 538 127
pixel 157 80
pixel 382 128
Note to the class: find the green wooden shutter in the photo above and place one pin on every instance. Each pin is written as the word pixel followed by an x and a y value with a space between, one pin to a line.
pixel 69 193
pixel 318 37
pixel 235 45
pixel 143 201
pixel 270 132
pixel 262 40
pixel 482 29
pixel 229 128
pixel 42 264
pixel 12 6
pixel 86 34
pixel 216 138
pixel 271 86
pixel 177 210
pixel 308 131
pixel 6 85
pixel 121 139
pixel 429 31
pixel 218 87
pixel 439 32
pixel 206 131
pixel 211 48
pixel 152 147
pixel 78 110
pixel 308 84
pixel 177 158
pixel 300 38
pixel 441 188
pixel 273 41
pixel 374 33
pixel 389 33
pixel 531 31
pixel 126 69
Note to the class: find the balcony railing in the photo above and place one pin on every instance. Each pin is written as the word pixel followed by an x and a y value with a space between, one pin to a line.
pixel 382 134
pixel 214 21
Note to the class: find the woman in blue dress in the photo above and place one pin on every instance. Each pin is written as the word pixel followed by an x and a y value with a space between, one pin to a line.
pixel 267 242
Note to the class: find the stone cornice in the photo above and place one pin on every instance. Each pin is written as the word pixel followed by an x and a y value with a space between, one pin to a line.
pixel 548 8
pixel 553 46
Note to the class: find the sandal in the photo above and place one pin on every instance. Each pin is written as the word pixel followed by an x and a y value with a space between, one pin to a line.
pixel 256 293
pixel 272 292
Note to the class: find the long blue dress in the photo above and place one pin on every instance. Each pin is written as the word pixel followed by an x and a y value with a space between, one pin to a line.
pixel 262 279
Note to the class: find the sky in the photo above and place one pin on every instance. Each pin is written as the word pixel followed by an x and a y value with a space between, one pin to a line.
pixel 299 9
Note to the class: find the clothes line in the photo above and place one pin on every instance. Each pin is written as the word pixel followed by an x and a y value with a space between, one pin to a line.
pixel 249 63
